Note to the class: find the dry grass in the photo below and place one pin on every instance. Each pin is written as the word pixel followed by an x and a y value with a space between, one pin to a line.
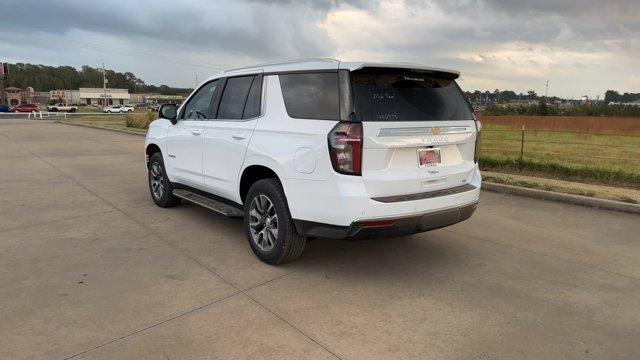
pixel 582 124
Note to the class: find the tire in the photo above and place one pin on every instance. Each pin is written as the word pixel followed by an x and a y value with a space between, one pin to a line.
pixel 286 244
pixel 159 185
pixel 72 110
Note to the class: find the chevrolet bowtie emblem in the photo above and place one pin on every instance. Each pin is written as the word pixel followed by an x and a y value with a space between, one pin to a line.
pixel 436 130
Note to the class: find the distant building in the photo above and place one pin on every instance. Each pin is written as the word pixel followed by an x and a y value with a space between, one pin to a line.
pixel 518 103
pixel 97 96
pixel 66 97
pixel 13 95
pixel 41 97
pixel 633 103
pixel 28 95
pixel 156 99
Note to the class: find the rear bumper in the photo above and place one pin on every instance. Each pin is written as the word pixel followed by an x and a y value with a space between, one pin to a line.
pixel 343 200
pixel 402 226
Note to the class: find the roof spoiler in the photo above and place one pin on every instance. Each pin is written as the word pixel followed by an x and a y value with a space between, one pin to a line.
pixel 438 73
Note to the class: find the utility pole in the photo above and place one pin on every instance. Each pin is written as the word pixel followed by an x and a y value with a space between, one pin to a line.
pixel 546 90
pixel 104 85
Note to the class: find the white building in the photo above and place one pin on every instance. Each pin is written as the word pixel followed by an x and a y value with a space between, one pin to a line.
pixel 96 96
pixel 66 97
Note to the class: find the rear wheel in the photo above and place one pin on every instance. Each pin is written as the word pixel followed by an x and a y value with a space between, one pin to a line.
pixel 159 184
pixel 267 220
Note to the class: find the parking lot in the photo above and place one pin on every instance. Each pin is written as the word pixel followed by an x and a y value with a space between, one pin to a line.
pixel 91 268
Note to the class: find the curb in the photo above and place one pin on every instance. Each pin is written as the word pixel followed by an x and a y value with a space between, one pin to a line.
pixel 102 128
pixel 562 197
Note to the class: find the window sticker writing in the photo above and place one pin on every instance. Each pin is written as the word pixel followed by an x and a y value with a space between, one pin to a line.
pixel 387 117
pixel 383 95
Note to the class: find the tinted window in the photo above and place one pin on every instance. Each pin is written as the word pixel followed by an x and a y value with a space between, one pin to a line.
pixel 198 105
pixel 390 95
pixel 234 97
pixel 311 95
pixel 252 108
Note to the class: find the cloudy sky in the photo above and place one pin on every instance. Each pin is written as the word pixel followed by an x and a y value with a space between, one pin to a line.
pixel 580 46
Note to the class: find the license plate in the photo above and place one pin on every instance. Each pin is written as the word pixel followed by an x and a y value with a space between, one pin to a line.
pixel 429 157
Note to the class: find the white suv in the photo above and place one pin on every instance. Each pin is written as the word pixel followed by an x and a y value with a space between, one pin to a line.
pixel 320 148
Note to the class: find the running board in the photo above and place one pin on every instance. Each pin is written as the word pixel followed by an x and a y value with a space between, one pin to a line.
pixel 209 203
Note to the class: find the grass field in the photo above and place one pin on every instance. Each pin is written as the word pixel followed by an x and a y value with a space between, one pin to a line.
pixel 114 121
pixel 601 150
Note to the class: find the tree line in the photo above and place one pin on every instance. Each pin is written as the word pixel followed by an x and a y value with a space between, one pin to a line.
pixel 46 78
pixel 507 95
pixel 614 96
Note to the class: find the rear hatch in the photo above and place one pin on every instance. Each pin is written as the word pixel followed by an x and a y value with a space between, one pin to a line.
pixel 418 131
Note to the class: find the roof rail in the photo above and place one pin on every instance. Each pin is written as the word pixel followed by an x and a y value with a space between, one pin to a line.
pixel 283 63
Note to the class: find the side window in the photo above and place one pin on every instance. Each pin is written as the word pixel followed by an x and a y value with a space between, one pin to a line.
pixel 198 106
pixel 252 108
pixel 311 95
pixel 234 97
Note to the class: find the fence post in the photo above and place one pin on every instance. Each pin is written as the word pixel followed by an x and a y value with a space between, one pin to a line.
pixel 522 145
pixel 40 114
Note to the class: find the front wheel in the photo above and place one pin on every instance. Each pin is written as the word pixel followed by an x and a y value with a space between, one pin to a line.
pixel 159 184
pixel 268 224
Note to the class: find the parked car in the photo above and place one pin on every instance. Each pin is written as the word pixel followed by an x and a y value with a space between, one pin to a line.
pixel 25 108
pixel 62 107
pixel 320 149
pixel 118 109
pixel 5 108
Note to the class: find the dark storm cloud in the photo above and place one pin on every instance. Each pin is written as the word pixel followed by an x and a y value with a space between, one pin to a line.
pixel 254 28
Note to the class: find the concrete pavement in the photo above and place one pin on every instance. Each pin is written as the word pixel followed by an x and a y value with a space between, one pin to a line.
pixel 91 268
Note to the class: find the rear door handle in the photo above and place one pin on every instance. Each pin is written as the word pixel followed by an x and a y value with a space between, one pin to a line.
pixel 239 136
pixel 196 132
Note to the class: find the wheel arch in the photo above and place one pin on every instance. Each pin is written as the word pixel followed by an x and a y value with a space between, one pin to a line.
pixel 151 149
pixel 253 173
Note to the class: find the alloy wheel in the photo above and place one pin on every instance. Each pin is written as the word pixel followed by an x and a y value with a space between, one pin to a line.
pixel 157 180
pixel 263 222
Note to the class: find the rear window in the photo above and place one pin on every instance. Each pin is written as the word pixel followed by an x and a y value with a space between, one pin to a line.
pixel 234 97
pixel 405 95
pixel 311 95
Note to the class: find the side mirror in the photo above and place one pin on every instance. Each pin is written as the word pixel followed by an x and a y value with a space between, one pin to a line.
pixel 169 112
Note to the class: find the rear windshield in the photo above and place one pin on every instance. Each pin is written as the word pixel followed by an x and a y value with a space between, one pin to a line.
pixel 405 95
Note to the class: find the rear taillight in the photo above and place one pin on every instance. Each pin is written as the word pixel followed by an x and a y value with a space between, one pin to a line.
pixel 476 152
pixel 345 148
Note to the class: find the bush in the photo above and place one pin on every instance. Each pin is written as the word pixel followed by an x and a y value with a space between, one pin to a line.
pixel 138 120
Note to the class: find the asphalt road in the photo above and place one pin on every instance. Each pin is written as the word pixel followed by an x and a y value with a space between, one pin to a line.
pixel 91 268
